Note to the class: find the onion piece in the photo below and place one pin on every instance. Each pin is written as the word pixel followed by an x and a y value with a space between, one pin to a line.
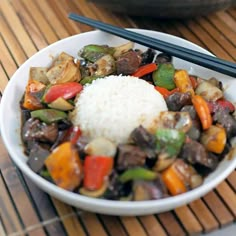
pixel 208 91
pixel 100 147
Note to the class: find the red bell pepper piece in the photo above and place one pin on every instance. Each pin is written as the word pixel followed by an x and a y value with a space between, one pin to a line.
pixel 165 92
pixel 96 169
pixel 66 90
pixel 73 134
pixel 193 81
pixel 144 70
pixel 221 104
pixel 226 104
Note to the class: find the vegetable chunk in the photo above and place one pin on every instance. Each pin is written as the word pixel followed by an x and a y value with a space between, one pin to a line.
pixel 64 166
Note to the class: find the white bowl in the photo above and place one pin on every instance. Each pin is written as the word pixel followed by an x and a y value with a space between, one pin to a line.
pixel 10 123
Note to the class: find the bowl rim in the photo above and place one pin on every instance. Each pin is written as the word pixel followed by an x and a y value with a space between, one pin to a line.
pixel 101 205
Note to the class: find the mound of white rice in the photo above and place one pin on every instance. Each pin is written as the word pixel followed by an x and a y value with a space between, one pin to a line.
pixel 114 106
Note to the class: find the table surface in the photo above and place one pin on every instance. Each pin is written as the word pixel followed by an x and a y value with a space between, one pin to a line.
pixel 27 26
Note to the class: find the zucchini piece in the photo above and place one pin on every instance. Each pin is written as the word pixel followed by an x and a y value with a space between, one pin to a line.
pixel 61 104
pixel 49 115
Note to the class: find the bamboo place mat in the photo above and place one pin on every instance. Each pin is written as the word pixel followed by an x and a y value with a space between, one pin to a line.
pixel 27 26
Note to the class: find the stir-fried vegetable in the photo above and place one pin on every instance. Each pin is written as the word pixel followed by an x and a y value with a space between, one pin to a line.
pixel 49 115
pixel 173 182
pixel 61 104
pixel 165 92
pixel 96 169
pixel 65 90
pixel 171 157
pixel 202 110
pixel 33 93
pixel 169 141
pixel 64 166
pixel 137 173
pixel 144 70
pixel 183 82
pixel 214 139
pixel 164 76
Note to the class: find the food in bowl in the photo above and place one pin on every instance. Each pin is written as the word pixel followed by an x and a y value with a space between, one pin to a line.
pixel 124 124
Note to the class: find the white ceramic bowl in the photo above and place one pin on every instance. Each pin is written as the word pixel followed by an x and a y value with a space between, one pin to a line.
pixel 10 121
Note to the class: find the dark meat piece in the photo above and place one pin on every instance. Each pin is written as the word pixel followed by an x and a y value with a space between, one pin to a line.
pixel 37 156
pixel 128 63
pixel 130 156
pixel 227 121
pixel 33 129
pixel 195 153
pixel 148 56
pixel 163 58
pixel 145 140
pixel 177 100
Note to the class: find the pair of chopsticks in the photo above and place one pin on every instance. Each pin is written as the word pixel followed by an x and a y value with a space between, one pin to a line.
pixel 195 57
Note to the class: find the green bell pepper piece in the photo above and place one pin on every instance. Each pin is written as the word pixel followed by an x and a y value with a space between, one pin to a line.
pixel 93 52
pixel 164 76
pixel 48 115
pixel 138 173
pixel 89 79
pixel 169 141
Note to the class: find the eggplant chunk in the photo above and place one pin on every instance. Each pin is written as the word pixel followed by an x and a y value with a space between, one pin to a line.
pixel 37 156
pixel 149 190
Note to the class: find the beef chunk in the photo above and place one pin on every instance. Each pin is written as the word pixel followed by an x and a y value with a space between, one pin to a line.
pixel 177 100
pixel 128 63
pixel 227 121
pixel 143 138
pixel 33 129
pixel 130 156
pixel 195 153
pixel 37 156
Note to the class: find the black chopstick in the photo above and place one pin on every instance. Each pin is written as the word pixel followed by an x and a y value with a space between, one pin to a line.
pixel 201 59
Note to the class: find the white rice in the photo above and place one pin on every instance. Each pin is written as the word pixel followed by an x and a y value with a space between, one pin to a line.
pixel 114 106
